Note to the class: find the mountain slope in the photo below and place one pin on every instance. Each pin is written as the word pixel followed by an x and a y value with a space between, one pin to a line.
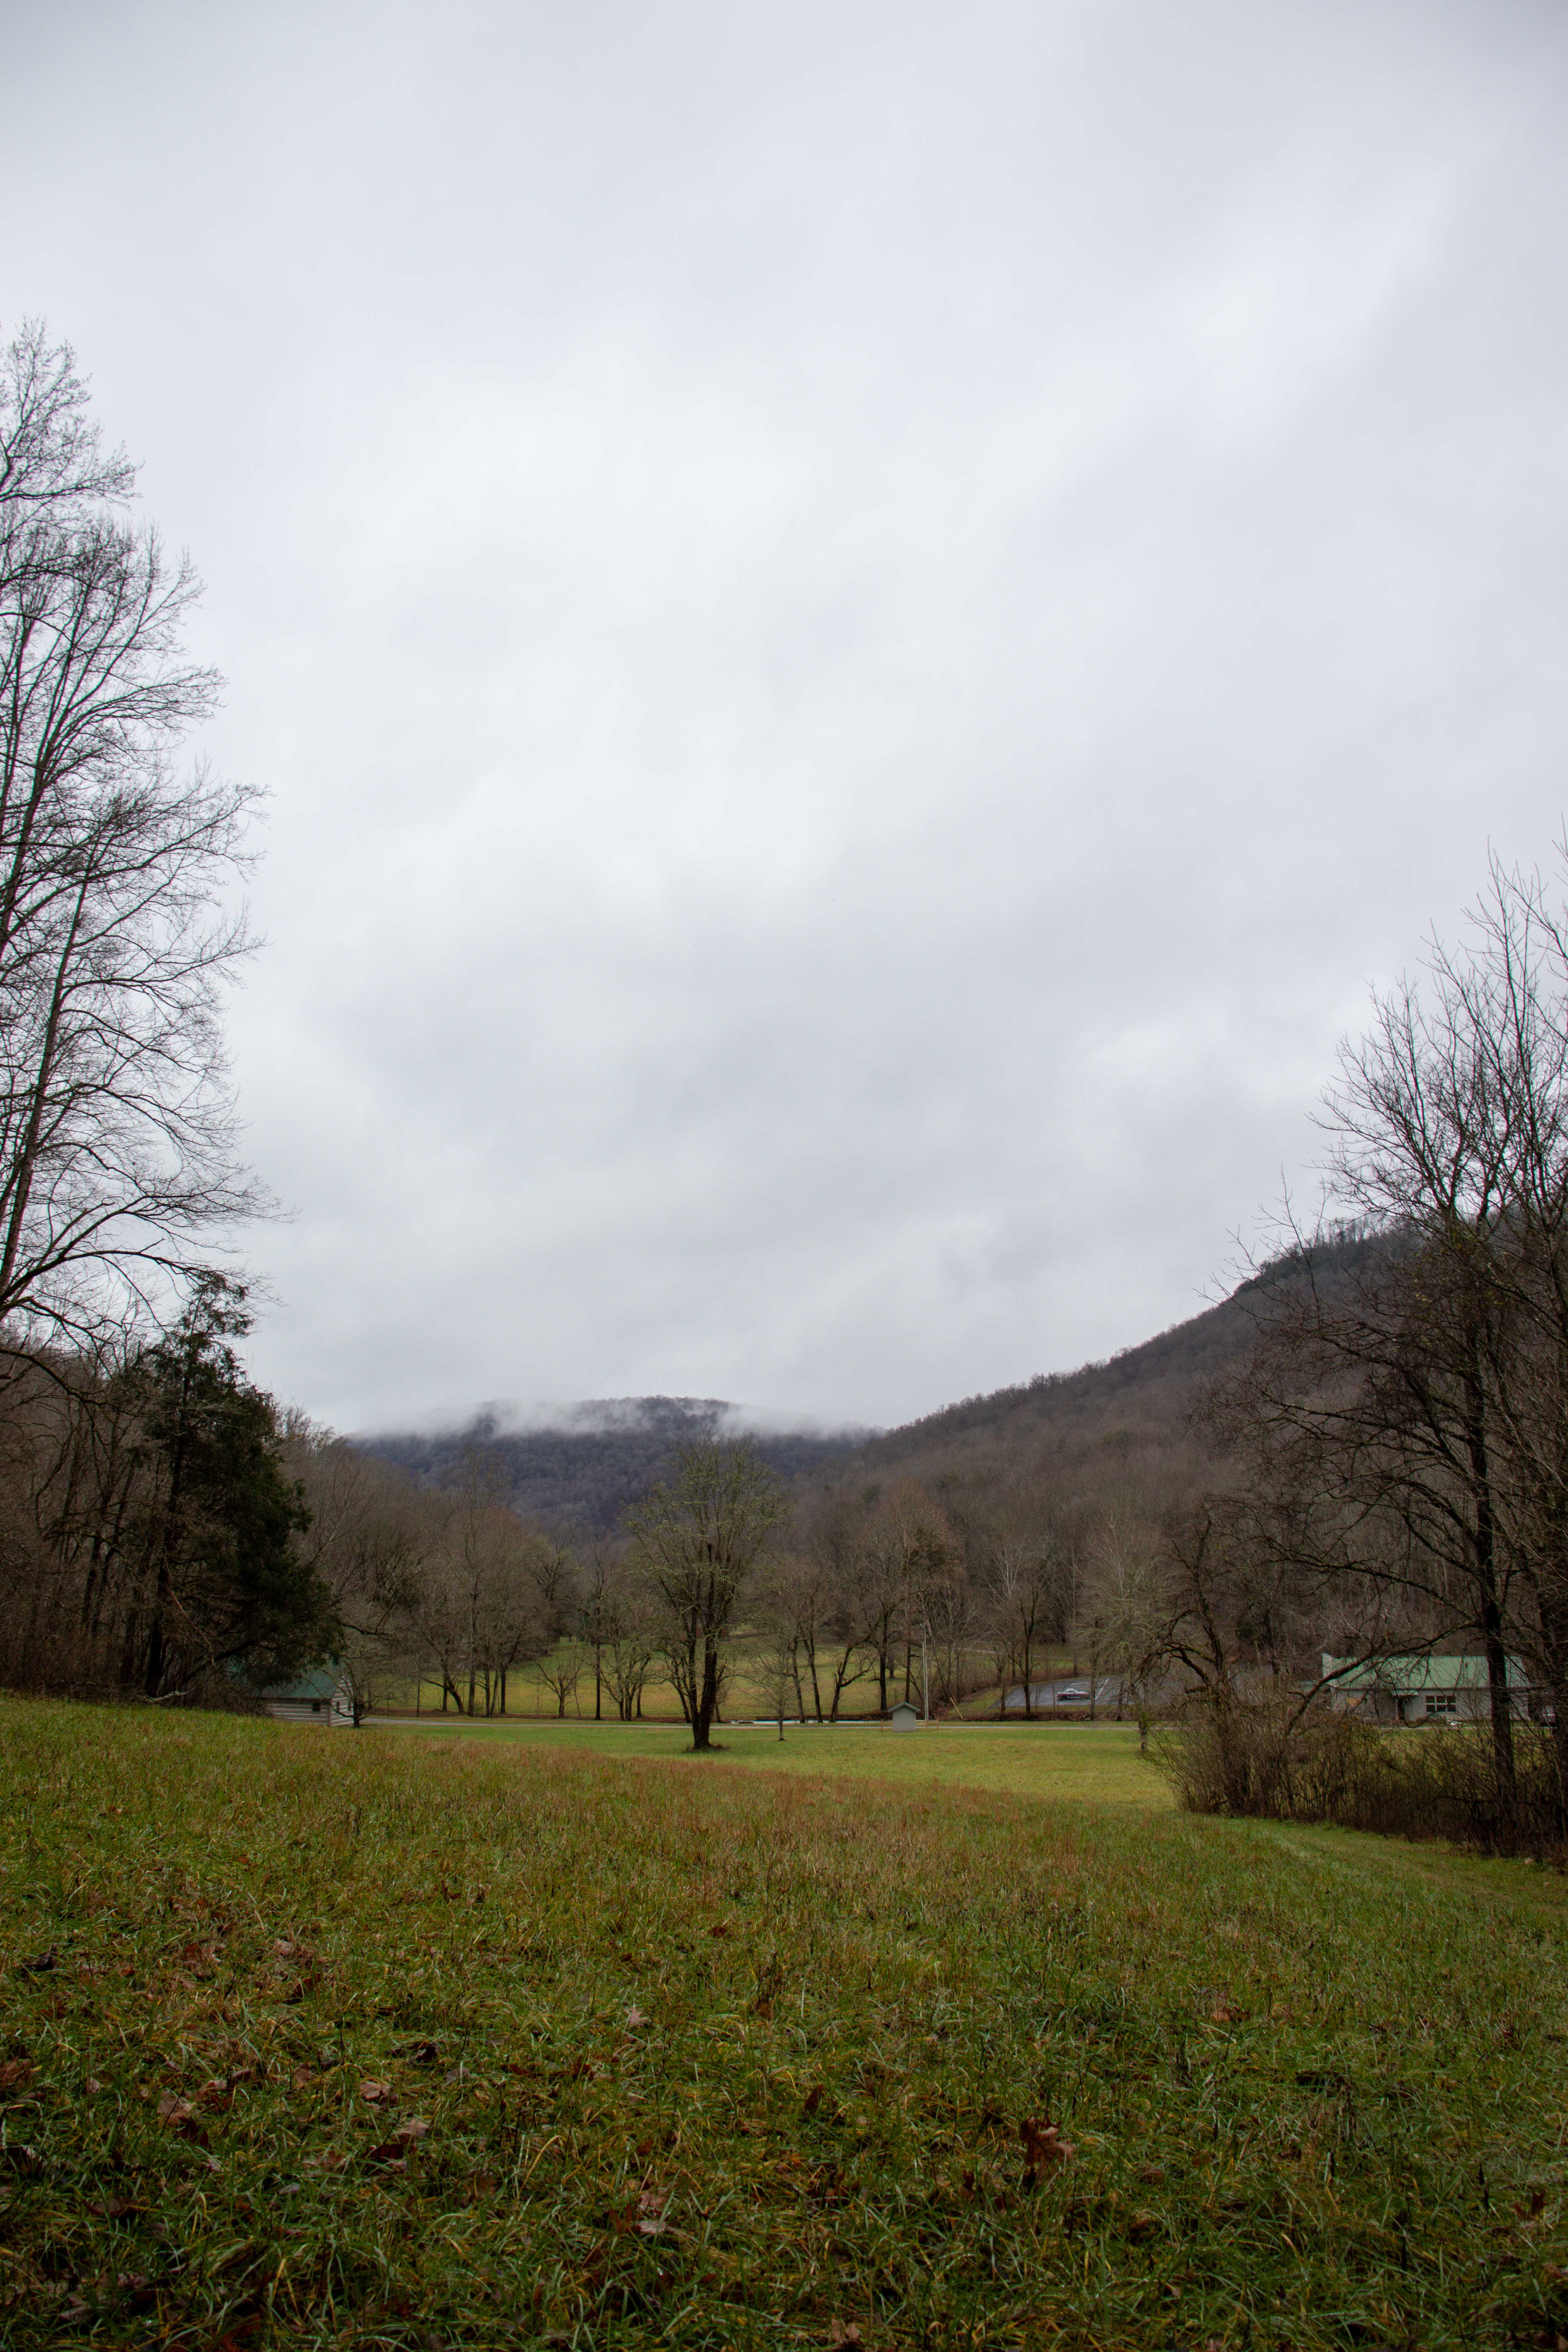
pixel 581 1476
pixel 1118 1433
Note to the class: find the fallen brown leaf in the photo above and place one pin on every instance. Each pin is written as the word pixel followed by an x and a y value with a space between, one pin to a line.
pixel 1043 2146
pixel 651 2222
pixel 180 2117
pixel 375 2092
pixel 634 2017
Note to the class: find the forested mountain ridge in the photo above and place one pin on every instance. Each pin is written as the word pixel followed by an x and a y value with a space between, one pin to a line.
pixel 1124 1420
pixel 581 1475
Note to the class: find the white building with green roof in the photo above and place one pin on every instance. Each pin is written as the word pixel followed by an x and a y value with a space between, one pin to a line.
pixel 1418 1688
pixel 318 1697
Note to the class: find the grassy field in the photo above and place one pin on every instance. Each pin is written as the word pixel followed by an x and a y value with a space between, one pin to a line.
pixel 408 2040
pixel 1079 1763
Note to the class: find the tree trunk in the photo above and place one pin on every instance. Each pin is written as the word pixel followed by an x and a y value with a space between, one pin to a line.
pixel 705 1701
pixel 1491 1626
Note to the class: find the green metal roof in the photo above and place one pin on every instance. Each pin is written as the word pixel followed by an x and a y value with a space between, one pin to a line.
pixel 1414 1671
pixel 321 1684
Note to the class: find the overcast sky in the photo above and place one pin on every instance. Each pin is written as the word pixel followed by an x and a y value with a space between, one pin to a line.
pixel 865 623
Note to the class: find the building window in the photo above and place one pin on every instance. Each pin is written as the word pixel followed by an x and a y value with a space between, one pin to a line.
pixel 315 1706
pixel 1441 1703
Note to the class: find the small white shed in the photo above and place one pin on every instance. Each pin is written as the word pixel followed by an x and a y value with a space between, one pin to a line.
pixel 904 1717
pixel 320 1698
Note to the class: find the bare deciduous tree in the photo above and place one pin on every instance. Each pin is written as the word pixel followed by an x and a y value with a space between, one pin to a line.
pixel 631 1638
pixel 561 1671
pixel 697 1538
pixel 117 1157
pixel 1028 1574
pixel 1400 1429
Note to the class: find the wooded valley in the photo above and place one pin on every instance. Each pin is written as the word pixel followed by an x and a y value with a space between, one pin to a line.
pixel 1360 1454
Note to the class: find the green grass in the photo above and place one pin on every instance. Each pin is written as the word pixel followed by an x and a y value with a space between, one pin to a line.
pixel 1095 1764
pixel 721 2056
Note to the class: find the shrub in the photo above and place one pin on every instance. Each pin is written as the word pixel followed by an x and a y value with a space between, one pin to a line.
pixel 1267 1758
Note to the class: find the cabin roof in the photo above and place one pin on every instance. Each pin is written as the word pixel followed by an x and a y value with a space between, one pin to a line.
pixel 1413 1671
pixel 320 1682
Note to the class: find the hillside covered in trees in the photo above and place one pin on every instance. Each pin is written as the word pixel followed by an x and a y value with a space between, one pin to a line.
pixel 1120 1432
pixel 582 1475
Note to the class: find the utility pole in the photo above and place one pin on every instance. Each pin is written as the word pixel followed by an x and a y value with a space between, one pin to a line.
pixel 925 1673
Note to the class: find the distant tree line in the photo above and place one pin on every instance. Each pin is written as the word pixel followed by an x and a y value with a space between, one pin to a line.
pixel 840 1602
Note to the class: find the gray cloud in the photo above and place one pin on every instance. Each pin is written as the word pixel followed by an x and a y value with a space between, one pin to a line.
pixel 866 624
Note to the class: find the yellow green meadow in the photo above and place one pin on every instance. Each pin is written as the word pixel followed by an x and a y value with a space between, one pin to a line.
pixel 551 2037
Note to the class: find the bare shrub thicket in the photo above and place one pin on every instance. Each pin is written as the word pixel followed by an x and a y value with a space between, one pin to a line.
pixel 1269 1757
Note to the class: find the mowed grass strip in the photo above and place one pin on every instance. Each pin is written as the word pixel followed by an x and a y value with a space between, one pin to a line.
pixel 1098 1764
pixel 327 2040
